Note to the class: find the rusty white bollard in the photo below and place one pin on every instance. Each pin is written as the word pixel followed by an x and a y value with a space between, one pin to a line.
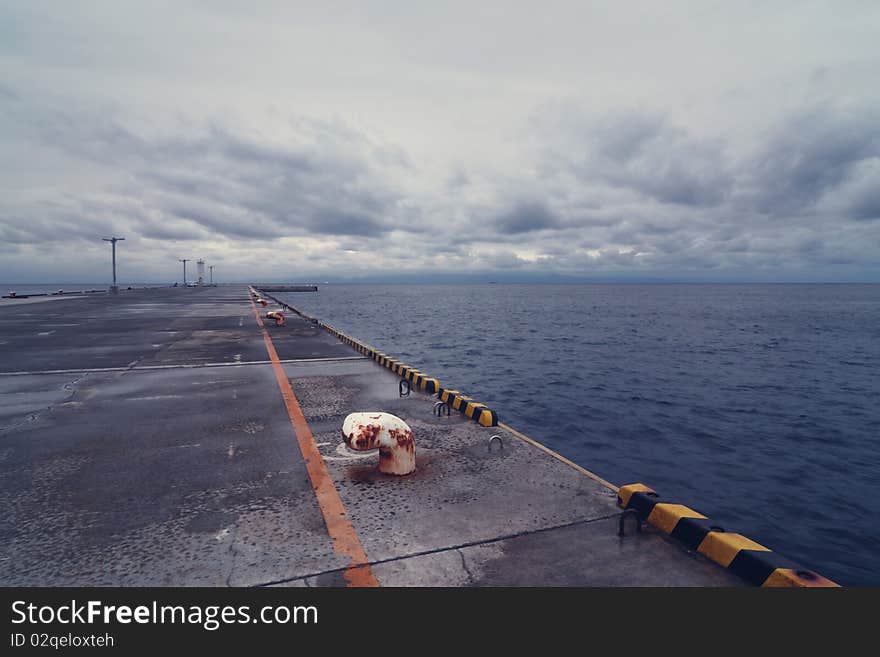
pixel 395 440
pixel 262 302
pixel 277 315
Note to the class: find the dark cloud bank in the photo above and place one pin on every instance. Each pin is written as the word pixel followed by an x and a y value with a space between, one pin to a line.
pixel 629 196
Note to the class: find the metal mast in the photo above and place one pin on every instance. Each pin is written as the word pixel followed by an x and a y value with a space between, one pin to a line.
pixel 113 241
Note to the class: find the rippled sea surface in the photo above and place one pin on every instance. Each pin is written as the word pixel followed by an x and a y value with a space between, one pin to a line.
pixel 758 405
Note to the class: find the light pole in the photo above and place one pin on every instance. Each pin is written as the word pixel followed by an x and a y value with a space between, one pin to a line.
pixel 184 261
pixel 211 274
pixel 113 240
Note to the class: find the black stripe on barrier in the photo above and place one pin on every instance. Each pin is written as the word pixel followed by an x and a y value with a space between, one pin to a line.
pixel 692 531
pixel 445 395
pixel 755 566
pixel 473 409
pixel 459 403
pixel 643 503
pixel 751 561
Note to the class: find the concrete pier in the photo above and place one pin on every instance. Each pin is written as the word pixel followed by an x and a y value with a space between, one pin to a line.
pixel 288 288
pixel 147 439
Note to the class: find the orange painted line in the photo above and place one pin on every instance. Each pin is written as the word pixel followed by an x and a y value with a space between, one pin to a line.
pixel 339 527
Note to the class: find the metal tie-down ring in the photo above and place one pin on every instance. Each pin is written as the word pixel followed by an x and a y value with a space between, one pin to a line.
pixel 400 386
pixel 629 512
pixel 438 408
pixel 500 443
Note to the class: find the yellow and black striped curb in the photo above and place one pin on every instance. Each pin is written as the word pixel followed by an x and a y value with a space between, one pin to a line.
pixel 752 561
pixel 474 410
pixel 257 293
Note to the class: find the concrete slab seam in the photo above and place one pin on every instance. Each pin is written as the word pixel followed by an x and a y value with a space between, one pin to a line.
pixel 181 366
pixel 449 548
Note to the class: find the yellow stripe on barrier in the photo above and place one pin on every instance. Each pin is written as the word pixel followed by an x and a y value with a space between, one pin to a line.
pixel 756 564
pixel 626 492
pixel 666 516
pixel 460 402
pixel 788 577
pixel 487 418
pixel 471 408
pixel 446 394
pixel 722 547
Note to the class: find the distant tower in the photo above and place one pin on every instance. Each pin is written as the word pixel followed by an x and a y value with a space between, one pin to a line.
pixel 200 270
pixel 113 240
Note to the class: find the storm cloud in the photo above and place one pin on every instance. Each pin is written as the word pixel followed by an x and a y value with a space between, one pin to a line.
pixel 188 185
pixel 525 218
pixel 825 153
pixel 644 153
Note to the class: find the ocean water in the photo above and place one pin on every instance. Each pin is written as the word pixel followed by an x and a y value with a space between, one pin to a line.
pixel 758 405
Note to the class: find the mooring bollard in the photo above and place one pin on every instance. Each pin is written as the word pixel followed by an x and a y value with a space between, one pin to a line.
pixel 393 437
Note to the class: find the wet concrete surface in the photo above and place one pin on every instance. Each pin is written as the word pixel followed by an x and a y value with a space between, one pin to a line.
pixel 473 517
pixel 161 453
pixel 177 476
pixel 147 327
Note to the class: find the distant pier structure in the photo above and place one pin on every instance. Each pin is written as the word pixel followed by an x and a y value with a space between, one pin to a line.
pixel 200 271
pixel 287 288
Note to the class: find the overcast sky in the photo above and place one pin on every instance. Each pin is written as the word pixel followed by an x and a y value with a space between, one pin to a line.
pixel 517 141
